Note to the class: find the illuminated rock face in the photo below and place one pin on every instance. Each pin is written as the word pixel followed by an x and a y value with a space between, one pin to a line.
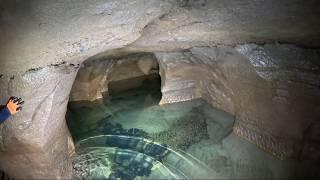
pixel 263 86
pixel 41 34
pixel 186 76
pixel 42 43
pixel 273 90
pixel 286 105
pixel 36 142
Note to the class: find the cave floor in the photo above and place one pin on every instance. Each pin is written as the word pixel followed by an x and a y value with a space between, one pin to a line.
pixel 132 137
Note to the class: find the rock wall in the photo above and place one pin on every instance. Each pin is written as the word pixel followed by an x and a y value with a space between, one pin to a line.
pixel 36 34
pixel 273 90
pixel 286 108
pixel 39 33
pixel 223 22
pixel 91 81
pixel 36 142
pixel 186 77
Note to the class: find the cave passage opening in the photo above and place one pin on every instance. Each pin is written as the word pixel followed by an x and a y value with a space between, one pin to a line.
pixel 121 131
pixel 106 88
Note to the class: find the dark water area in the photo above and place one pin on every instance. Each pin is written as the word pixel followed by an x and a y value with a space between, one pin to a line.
pixel 130 136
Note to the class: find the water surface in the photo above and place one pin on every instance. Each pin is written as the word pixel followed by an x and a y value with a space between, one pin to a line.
pixel 132 137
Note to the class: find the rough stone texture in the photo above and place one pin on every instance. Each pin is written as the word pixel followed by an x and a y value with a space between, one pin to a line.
pixel 131 66
pixel 37 33
pixel 286 106
pixel 214 22
pixel 95 76
pixel 186 77
pixel 273 90
pixel 91 81
pixel 36 142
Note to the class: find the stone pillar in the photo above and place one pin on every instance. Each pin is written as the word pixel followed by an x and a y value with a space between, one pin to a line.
pixel 36 143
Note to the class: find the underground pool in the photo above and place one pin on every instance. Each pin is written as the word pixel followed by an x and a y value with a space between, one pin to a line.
pixel 130 136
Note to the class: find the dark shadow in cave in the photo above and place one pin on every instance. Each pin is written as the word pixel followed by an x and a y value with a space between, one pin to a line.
pixel 137 136
pixel 130 87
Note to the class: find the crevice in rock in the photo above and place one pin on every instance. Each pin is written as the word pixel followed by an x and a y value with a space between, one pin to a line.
pixel 63 63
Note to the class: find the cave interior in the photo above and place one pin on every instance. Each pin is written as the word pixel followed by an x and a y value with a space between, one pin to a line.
pixel 161 89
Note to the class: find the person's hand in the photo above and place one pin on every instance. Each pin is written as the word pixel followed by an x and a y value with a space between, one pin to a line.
pixel 14 105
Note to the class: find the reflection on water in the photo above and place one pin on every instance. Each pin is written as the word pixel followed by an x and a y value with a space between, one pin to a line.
pixel 132 137
pixel 128 157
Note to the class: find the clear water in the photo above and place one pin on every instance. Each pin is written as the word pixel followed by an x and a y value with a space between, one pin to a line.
pixel 132 137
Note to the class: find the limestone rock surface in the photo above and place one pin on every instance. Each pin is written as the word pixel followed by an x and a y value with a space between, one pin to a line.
pixel 91 81
pixel 215 22
pixel 39 33
pixel 285 105
pixel 186 77
pixel 273 90
pixel 36 142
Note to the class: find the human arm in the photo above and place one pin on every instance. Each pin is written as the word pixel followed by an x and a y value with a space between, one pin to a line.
pixel 4 114
pixel 13 106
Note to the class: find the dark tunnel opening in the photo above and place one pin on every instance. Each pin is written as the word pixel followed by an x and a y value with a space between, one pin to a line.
pixel 124 83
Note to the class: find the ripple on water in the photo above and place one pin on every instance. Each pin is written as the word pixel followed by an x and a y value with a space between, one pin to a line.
pixel 126 157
